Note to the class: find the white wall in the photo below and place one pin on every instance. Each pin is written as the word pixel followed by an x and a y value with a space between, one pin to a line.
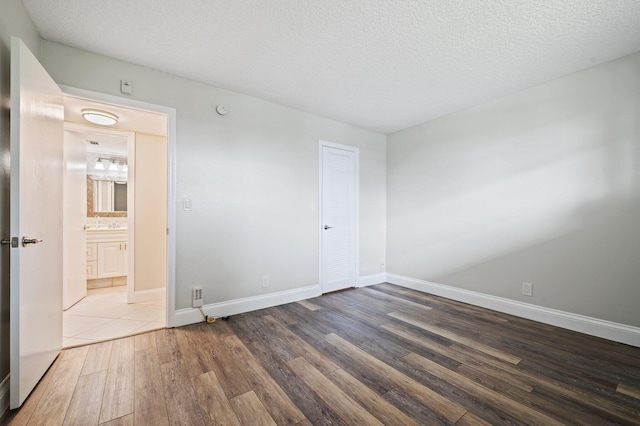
pixel 252 176
pixel 541 186
pixel 150 212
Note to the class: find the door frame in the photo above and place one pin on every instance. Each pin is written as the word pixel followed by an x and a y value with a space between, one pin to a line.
pixel 356 151
pixel 131 151
pixel 171 180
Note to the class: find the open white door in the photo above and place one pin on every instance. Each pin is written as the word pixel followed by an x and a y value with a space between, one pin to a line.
pixel 339 194
pixel 75 215
pixel 37 115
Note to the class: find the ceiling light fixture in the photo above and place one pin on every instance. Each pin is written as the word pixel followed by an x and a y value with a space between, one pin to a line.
pixel 103 118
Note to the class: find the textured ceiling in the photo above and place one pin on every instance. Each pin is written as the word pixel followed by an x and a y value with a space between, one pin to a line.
pixel 381 65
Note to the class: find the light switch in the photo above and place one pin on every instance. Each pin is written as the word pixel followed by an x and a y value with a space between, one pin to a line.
pixel 186 205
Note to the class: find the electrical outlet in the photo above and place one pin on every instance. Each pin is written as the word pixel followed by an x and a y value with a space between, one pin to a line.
pixel 196 297
pixel 382 267
pixel 527 289
pixel 265 281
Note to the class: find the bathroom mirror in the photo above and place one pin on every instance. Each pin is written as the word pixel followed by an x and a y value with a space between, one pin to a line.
pixel 107 175
pixel 106 198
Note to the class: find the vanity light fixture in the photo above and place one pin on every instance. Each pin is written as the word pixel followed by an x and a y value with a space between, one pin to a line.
pixel 112 164
pixel 108 168
pixel 105 163
pixel 102 118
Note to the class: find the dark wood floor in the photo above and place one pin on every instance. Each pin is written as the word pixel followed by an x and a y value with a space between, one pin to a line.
pixel 376 355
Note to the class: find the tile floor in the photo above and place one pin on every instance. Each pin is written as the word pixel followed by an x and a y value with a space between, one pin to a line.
pixel 104 314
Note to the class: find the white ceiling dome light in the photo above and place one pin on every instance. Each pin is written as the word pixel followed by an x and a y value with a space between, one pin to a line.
pixel 102 118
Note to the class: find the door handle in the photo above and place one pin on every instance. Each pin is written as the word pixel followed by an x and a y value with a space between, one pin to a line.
pixel 328 227
pixel 26 241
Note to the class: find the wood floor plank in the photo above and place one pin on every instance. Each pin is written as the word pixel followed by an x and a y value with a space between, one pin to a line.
pixel 193 355
pixel 310 306
pixel 457 338
pixel 145 341
pixel 118 393
pixel 84 408
pixel 357 330
pixel 403 301
pixel 168 350
pixel 252 330
pixel 150 406
pixel 281 315
pixel 562 390
pixel 488 396
pixel 120 421
pixel 448 409
pixel 314 408
pixel 447 305
pixel 213 401
pixel 341 403
pixel 250 410
pixel 380 408
pixel 509 373
pixel 182 406
pixel 491 368
pixel 276 401
pixel 53 404
pixel 359 313
pixel 77 352
pixel 311 354
pixel 97 358
pixel 415 409
pixel 471 419
pixel 452 364
pixel 221 327
pixel 222 362
pixel 21 416
pixel 629 390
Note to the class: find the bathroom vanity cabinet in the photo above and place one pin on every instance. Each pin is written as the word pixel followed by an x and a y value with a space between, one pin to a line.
pixel 107 255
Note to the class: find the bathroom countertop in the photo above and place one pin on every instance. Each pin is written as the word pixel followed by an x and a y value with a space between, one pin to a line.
pixel 92 229
pixel 106 235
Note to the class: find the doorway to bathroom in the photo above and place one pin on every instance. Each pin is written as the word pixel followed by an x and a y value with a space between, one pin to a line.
pixel 115 222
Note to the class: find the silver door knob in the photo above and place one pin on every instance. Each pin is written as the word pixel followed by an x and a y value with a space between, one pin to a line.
pixel 328 227
pixel 26 241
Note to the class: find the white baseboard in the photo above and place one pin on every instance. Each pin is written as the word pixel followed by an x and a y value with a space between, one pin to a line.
pixel 372 279
pixel 147 295
pixel 247 304
pixel 593 326
pixel 4 396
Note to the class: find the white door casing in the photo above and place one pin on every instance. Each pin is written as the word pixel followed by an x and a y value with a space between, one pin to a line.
pixel 338 216
pixel 37 115
pixel 171 191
